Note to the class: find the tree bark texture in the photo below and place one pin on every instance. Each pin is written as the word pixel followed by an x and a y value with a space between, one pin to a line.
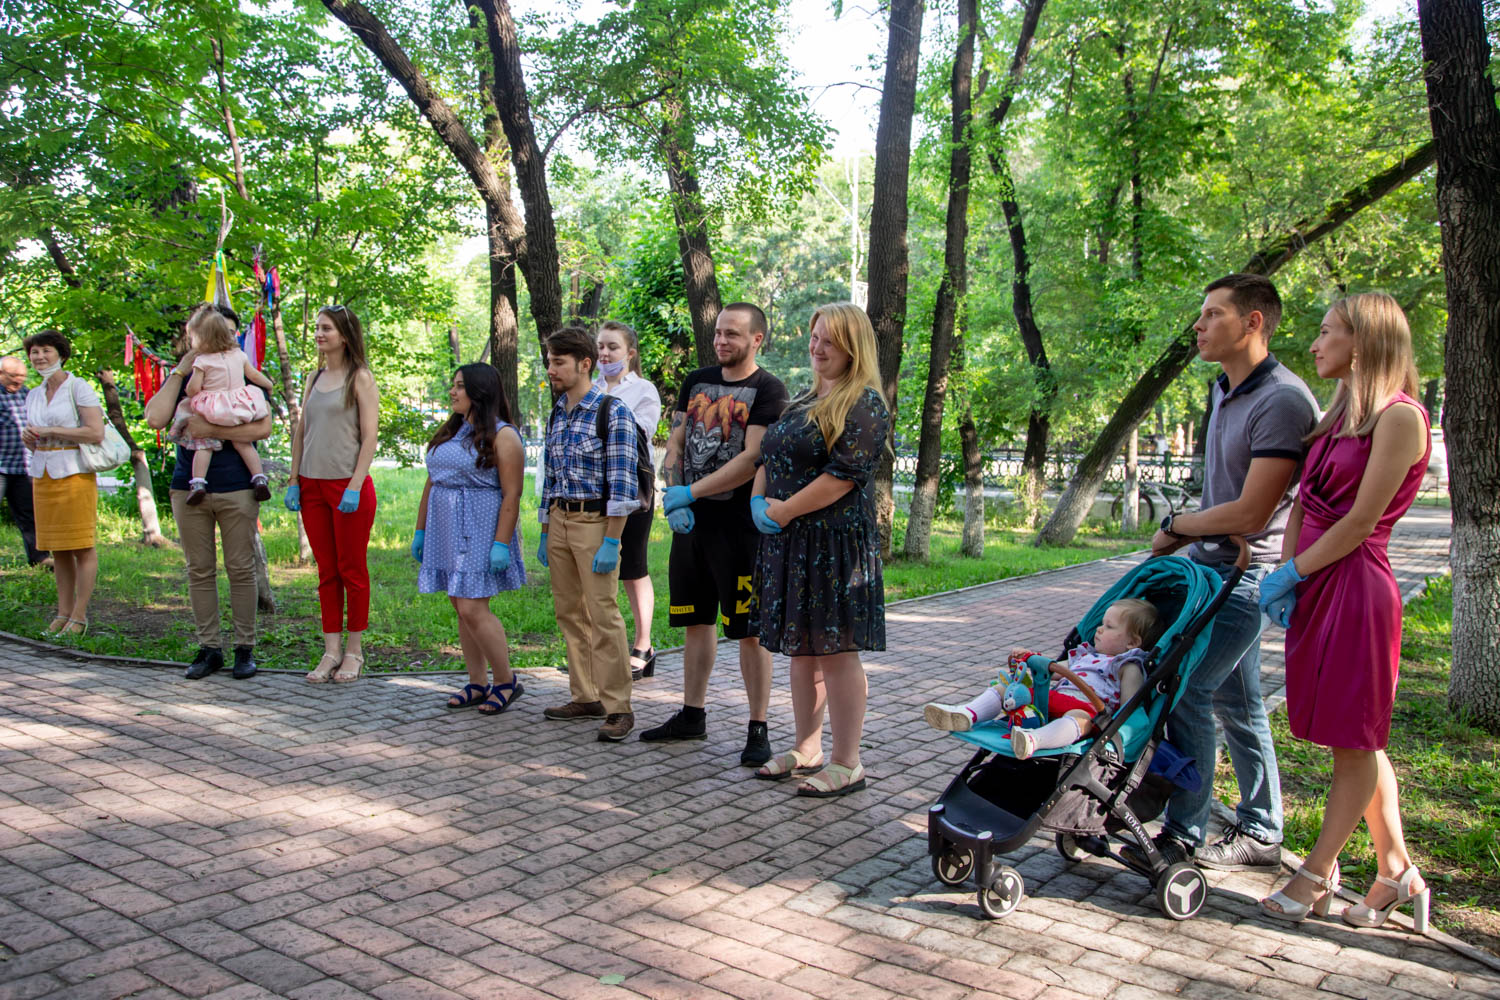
pixel 1093 468
pixel 538 260
pixel 234 139
pixel 700 283
pixel 507 233
pixel 145 496
pixel 889 266
pixel 972 545
pixel 1466 131
pixel 952 291
pixel 1038 420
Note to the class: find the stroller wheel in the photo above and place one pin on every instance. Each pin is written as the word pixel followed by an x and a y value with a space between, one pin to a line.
pixel 1001 897
pixel 954 865
pixel 1181 891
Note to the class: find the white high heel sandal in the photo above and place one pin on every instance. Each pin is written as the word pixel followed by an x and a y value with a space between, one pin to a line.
pixel 1295 912
pixel 1360 915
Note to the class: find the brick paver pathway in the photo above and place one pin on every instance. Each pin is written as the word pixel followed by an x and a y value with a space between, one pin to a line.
pixel 164 838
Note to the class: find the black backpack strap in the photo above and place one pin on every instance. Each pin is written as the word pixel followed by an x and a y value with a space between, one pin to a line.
pixel 601 427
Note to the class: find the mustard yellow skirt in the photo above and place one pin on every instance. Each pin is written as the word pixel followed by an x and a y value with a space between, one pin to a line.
pixel 67 512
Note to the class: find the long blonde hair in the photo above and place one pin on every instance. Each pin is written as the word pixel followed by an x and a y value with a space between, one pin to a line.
pixel 1382 366
pixel 848 328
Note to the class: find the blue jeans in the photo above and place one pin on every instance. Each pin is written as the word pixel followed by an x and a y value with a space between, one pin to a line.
pixel 1227 685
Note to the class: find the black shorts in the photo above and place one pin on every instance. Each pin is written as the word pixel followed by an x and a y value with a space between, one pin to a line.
pixel 709 575
pixel 633 542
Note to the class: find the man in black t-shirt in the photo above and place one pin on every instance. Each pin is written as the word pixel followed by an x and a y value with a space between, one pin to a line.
pixel 232 507
pixel 712 453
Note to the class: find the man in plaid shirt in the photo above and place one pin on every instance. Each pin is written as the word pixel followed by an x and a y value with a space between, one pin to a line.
pixel 588 490
pixel 15 459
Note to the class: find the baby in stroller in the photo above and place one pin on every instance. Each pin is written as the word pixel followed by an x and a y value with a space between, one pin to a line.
pixel 1096 678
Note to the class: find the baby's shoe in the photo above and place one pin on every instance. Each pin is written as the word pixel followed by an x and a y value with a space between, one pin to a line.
pixel 262 487
pixel 1022 742
pixel 948 718
pixel 197 491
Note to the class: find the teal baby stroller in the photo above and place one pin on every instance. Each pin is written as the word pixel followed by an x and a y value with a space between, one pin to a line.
pixel 1112 781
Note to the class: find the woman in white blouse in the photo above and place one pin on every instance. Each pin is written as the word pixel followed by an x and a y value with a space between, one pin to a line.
pixel 62 413
pixel 620 375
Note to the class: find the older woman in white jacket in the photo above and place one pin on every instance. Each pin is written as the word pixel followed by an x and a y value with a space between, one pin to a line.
pixel 62 413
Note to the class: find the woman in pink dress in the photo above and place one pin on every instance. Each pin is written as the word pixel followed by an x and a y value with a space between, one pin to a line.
pixel 1337 598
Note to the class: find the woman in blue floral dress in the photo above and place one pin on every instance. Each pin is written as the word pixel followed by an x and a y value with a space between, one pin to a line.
pixel 818 583
pixel 466 537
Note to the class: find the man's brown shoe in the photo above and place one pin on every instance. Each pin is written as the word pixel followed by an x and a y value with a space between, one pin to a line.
pixel 617 726
pixel 575 710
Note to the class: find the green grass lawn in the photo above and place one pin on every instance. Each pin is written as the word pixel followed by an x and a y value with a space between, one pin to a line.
pixel 1449 775
pixel 141 609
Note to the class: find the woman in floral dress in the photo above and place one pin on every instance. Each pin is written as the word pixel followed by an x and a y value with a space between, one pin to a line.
pixel 820 592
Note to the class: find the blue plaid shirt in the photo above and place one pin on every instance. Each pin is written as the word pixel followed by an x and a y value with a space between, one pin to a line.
pixel 577 461
pixel 15 459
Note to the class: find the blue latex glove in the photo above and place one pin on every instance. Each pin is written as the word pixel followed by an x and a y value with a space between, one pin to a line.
pixel 681 520
pixel 676 498
pixel 541 550
pixel 417 541
pixel 1278 592
pixel 349 503
pixel 608 556
pixel 293 497
pixel 499 557
pixel 763 522
pixel 1280 610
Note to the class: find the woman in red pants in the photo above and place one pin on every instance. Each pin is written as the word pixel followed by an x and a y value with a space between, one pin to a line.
pixel 332 448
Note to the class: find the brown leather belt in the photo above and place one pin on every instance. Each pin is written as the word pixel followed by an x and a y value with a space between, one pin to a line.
pixel 580 506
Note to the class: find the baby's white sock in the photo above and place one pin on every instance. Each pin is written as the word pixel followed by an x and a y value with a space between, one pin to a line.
pixel 987 706
pixel 1057 733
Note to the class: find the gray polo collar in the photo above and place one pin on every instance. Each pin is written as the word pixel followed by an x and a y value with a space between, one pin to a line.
pixel 1257 375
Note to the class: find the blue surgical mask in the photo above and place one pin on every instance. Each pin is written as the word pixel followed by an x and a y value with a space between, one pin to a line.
pixel 609 369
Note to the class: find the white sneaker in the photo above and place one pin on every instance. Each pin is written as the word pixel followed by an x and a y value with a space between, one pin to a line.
pixel 1022 742
pixel 947 718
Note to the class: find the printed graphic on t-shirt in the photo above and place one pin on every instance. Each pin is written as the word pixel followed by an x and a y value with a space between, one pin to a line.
pixel 717 416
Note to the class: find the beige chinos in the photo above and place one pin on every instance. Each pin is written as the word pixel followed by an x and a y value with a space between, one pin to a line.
pixel 236 514
pixel 587 611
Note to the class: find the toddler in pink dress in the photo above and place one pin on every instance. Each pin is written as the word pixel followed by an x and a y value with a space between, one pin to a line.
pixel 218 393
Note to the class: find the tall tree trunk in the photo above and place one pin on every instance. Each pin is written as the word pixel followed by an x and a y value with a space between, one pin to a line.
pixel 293 407
pixel 1044 386
pixel 1466 129
pixel 1092 469
pixel 538 260
pixel 1430 399
pixel 888 263
pixel 968 436
pixel 700 283
pixel 454 346
pixel 1130 494
pixel 952 291
pixel 145 496
pixel 506 105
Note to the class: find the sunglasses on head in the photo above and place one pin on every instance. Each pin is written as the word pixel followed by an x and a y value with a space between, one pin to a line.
pixel 335 308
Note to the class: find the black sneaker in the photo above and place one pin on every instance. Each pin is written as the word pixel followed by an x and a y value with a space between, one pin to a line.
pixel 678 728
pixel 207 661
pixel 757 746
pixel 244 662
pixel 1171 849
pixel 1239 852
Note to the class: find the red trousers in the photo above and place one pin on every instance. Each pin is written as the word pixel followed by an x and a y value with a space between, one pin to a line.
pixel 339 542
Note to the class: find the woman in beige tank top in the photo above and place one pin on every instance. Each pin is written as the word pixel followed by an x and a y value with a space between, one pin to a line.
pixel 332 448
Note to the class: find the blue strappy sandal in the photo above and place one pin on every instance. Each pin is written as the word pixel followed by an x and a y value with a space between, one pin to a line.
pixel 471 695
pixel 516 689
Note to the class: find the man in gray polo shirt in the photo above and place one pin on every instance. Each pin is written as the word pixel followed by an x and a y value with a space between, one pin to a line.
pixel 1253 459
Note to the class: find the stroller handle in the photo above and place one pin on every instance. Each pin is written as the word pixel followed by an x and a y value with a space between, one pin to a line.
pixel 1242 562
